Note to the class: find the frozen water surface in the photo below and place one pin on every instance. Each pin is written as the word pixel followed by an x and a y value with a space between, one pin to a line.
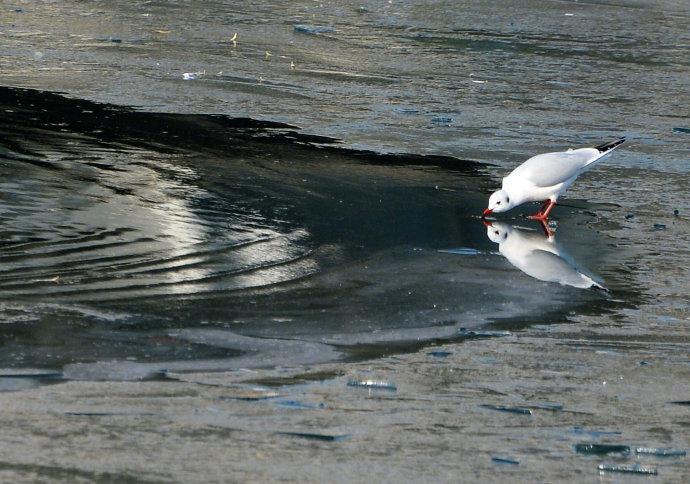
pixel 217 214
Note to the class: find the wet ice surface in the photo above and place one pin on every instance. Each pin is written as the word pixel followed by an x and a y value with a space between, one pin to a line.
pixel 440 420
pixel 248 271
pixel 245 245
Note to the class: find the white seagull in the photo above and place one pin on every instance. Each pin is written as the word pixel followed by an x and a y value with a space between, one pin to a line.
pixel 546 176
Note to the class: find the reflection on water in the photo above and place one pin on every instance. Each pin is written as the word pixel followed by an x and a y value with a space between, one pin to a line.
pixel 125 226
pixel 133 243
pixel 539 255
pixel 85 220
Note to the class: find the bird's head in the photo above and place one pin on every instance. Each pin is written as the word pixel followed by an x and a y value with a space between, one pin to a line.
pixel 498 202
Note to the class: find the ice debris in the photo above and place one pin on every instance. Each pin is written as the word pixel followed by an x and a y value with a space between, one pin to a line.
pixel 313 29
pixel 660 452
pixel 602 449
pixel 633 469
pixel 373 384
pixel 505 460
pixel 502 408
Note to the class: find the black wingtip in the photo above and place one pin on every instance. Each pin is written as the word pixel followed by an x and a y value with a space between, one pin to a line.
pixel 603 148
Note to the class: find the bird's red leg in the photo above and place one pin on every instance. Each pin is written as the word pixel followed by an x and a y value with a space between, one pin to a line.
pixel 546 214
pixel 541 215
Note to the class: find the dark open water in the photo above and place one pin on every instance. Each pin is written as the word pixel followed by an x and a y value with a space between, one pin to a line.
pixel 175 198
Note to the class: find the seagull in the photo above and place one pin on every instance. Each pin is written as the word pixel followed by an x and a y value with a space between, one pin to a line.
pixel 540 257
pixel 546 176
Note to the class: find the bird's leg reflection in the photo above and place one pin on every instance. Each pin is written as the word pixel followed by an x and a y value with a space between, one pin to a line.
pixel 545 227
pixel 540 257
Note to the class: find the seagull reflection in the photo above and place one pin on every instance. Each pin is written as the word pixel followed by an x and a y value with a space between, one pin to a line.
pixel 539 256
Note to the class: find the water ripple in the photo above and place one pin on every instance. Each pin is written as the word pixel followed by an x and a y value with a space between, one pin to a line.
pixel 129 229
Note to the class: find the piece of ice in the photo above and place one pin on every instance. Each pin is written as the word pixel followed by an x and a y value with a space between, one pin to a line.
pixel 441 121
pixel 407 110
pixel 505 460
pixel 660 452
pixel 633 469
pixel 503 408
pixel 373 384
pixel 313 29
pixel 110 414
pixel 250 395
pixel 309 435
pixel 294 404
pixel 439 354
pixel 602 449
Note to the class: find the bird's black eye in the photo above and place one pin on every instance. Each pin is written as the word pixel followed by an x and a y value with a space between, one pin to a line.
pixel 498 203
pixel 496 232
pixel 507 200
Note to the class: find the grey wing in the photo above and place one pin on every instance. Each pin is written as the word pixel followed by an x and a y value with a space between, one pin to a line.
pixel 551 169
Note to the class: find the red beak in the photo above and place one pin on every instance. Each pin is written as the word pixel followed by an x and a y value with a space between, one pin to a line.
pixel 486 212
